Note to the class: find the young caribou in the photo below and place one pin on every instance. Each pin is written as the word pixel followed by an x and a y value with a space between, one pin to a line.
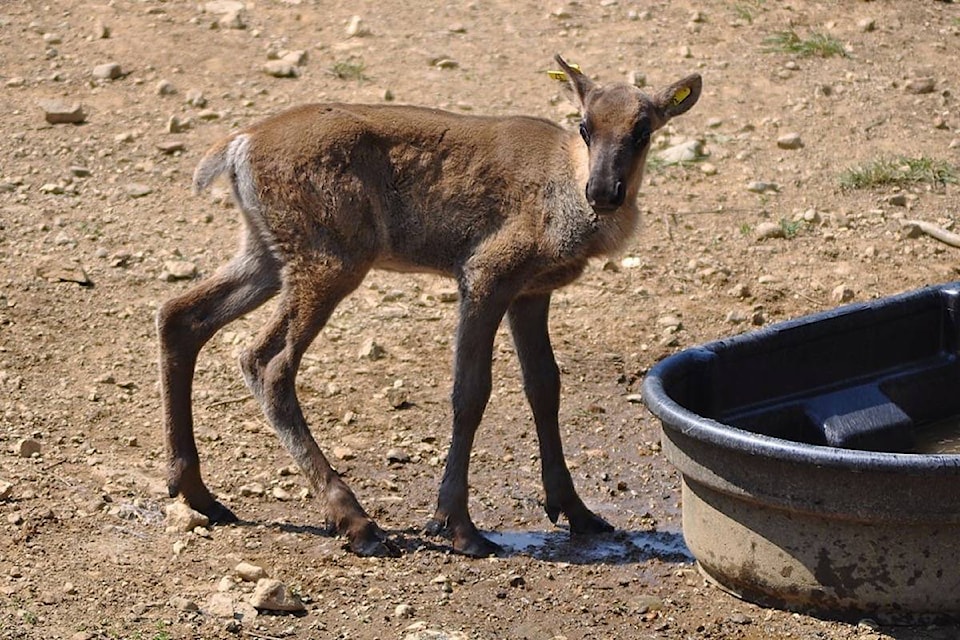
pixel 510 207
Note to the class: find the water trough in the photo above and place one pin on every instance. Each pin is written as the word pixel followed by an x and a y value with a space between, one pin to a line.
pixel 815 456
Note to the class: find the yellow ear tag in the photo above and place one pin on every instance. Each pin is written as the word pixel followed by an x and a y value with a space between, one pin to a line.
pixel 681 95
pixel 560 76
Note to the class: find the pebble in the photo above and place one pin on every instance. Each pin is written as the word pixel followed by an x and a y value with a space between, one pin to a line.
pixel 687 151
pixel 280 494
pixel 921 85
pixel 178 270
pixel 165 88
pixel 100 30
pixel 176 125
pixel 250 572
pixel 790 141
pixel 107 71
pixel 841 293
pixel 356 28
pixel 397 396
pixel 897 199
pixel 423 633
pixel 28 447
pixel 867 25
pixel 708 169
pixel 397 456
pixel 195 98
pixel 767 230
pixel 170 147
pixel 273 595
pixel 403 611
pixel 280 69
pixel 343 453
pixel 137 190
pixel 735 316
pixel 254 489
pixel 758 186
pixel 180 517
pixel 6 490
pixel 371 350
pixel 183 604
pixel 61 112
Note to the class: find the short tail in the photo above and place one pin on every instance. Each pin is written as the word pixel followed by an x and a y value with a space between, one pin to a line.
pixel 213 164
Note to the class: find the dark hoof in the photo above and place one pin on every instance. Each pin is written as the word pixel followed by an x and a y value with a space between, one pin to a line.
pixel 581 519
pixel 372 542
pixel 219 513
pixel 589 524
pixel 477 546
pixel 469 543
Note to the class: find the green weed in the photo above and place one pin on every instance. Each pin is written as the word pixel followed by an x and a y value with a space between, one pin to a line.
pixel 898 171
pixel 349 69
pixel 817 44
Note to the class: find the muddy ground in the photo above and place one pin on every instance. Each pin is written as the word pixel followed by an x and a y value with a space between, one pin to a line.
pixel 98 226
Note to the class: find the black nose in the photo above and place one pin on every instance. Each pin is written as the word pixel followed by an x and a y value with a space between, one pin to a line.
pixel 602 196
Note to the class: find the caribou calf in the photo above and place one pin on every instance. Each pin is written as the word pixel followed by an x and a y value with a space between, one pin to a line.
pixel 510 207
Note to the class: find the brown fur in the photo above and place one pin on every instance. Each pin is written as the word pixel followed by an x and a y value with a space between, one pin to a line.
pixel 511 207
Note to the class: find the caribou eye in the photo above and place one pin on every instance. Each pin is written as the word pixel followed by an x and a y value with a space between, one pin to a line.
pixel 584 133
pixel 641 136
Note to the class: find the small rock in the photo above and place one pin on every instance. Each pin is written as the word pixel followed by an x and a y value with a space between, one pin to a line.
pixel 280 494
pixel 183 604
pixel 370 350
pixel 100 30
pixel 397 397
pixel 356 28
pixel 739 618
pixel 758 186
pixel 220 605
pixel 736 316
pixel 250 572
pixel 867 25
pixel 297 57
pixel 897 199
pixel 446 63
pixel 920 85
pixel 739 290
pixel 181 517
pixel 768 230
pixel 397 456
pixel 137 190
pixel 178 270
pixel 165 88
pixel 176 125
pixel 6 490
pixel 688 151
pixel 170 147
pixel 403 611
pixel 195 98
pixel 28 447
pixel 280 69
pixel 60 112
pixel 841 293
pixel 273 595
pixel 107 71
pixel 708 169
pixel 790 141
pixel 254 489
pixel 343 453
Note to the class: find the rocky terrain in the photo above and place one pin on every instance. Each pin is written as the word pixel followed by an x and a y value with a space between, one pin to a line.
pixel 823 130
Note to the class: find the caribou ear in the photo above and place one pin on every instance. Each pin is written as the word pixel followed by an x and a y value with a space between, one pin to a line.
pixel 579 83
pixel 680 96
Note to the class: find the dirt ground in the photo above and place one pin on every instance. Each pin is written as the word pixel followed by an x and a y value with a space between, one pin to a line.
pixel 98 227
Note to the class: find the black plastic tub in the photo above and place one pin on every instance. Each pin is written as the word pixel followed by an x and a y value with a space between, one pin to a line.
pixel 800 447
